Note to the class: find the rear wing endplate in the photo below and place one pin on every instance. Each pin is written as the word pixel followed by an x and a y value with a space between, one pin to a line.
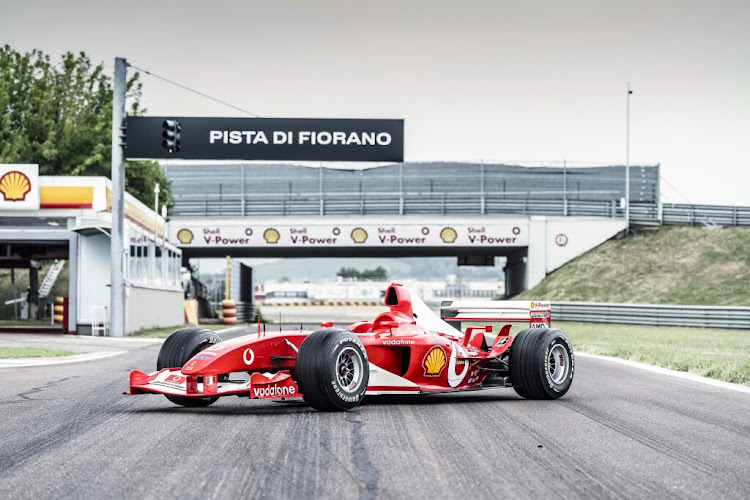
pixel 537 313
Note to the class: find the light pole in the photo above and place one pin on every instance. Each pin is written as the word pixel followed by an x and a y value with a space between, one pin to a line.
pixel 627 163
pixel 117 245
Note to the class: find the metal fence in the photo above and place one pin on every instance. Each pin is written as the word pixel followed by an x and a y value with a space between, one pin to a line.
pixel 653 314
pixel 706 215
pixel 246 190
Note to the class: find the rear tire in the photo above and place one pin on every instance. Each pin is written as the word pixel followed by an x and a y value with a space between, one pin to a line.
pixel 541 363
pixel 332 370
pixel 177 350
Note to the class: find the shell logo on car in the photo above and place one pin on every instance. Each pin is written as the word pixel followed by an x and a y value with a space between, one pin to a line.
pixel 15 186
pixel 185 236
pixel 271 236
pixel 434 362
pixel 359 235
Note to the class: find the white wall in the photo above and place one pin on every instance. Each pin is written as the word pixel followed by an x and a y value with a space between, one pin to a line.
pixel 151 307
pixel 558 240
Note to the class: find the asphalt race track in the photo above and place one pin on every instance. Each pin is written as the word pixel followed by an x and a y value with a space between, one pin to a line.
pixel 68 432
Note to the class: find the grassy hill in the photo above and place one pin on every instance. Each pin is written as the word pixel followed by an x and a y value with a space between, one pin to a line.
pixel 676 265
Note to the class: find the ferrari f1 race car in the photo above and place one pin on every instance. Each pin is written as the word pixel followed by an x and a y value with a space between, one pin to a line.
pixel 405 350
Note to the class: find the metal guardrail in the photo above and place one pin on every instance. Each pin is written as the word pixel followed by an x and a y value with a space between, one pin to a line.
pixel 653 314
pixel 706 215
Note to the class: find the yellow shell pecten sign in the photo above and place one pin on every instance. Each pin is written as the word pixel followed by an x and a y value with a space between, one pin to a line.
pixel 448 235
pixel 434 362
pixel 359 235
pixel 271 236
pixel 14 186
pixel 185 236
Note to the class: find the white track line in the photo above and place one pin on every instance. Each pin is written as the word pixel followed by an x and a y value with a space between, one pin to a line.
pixel 89 356
pixel 671 373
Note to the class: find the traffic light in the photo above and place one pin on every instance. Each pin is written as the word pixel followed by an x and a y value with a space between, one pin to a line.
pixel 171 135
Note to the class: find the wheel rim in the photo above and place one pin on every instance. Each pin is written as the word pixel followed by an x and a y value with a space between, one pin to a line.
pixel 349 370
pixel 558 365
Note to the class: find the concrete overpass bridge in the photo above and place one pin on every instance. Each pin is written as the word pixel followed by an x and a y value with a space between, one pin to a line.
pixel 537 218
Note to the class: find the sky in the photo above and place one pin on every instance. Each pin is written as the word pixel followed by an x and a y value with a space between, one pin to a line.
pixel 533 81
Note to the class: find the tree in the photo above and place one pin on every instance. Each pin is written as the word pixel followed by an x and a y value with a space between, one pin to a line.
pixel 377 274
pixel 60 116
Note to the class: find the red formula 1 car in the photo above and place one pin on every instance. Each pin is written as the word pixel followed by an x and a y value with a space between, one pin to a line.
pixel 406 350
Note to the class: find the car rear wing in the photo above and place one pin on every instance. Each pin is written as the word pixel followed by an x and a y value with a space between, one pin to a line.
pixel 537 313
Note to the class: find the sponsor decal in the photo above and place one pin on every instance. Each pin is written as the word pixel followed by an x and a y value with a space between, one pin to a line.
pixel 185 236
pixel 456 378
pixel 248 357
pixel 204 358
pixel 14 186
pixel 189 367
pixel 209 353
pixel 359 235
pixel 561 240
pixel 539 325
pixel 273 391
pixel 398 342
pixel 448 235
pixel 503 341
pixel 175 379
pixel 473 376
pixel 434 362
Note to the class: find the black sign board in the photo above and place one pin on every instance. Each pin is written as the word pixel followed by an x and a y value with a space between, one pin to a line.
pixel 300 139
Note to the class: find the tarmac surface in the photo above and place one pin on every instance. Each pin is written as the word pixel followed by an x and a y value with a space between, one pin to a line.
pixel 620 432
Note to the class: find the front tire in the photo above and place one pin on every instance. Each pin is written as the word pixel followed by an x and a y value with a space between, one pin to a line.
pixel 541 363
pixel 177 350
pixel 332 370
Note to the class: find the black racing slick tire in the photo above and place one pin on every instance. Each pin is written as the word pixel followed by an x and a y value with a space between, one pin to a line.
pixel 541 363
pixel 177 350
pixel 332 370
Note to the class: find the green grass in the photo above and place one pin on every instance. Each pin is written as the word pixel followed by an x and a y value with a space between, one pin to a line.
pixel 708 352
pixel 675 265
pixel 24 322
pixel 164 332
pixel 31 352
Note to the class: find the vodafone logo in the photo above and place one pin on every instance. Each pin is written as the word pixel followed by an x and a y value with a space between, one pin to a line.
pixel 274 391
pixel 248 357
pixel 455 378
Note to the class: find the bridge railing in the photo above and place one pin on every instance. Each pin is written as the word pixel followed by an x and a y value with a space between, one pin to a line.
pixel 406 203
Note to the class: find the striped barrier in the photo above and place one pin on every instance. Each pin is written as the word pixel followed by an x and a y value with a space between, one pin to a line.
pixel 61 311
pixel 325 303
pixel 229 312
